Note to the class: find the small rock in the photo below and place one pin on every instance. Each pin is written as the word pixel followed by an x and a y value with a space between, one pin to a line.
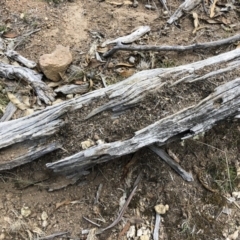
pixel 132 59
pixel 161 209
pixel 150 7
pixel 44 216
pixel 165 13
pixel 22 15
pixel 131 232
pixel 25 211
pixel 44 223
pixel 55 63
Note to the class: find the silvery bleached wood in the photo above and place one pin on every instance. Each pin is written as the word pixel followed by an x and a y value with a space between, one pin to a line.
pixel 25 152
pixel 196 46
pixel 73 88
pixel 9 111
pixel 183 124
pixel 187 6
pixel 127 93
pixel 131 37
pixel 120 96
pixel 19 58
pixel 44 93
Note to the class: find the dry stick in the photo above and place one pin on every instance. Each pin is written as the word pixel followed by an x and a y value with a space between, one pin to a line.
pixel 54 235
pixel 124 206
pixel 163 2
pixel 23 37
pixel 156 227
pixel 206 45
pixel 91 222
pixel 19 58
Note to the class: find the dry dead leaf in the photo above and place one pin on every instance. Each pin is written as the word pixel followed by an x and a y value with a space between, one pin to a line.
pixel 196 21
pixel 212 13
pixel 26 100
pixel 2 108
pixel 128 3
pixel 17 102
pixel 66 202
pixel 124 230
pixel 121 64
pixel 94 63
pixel 102 49
pixel 28 112
pixel 213 21
pixel 11 34
pixel 54 84
pixel 79 82
pixel 125 72
pixel 225 21
pixel 173 156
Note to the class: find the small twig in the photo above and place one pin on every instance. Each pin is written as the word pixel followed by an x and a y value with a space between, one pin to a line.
pixel 163 2
pixel 52 236
pixel 122 47
pixel 91 222
pixel 98 193
pixel 24 36
pixel 156 227
pixel 103 80
pixel 204 7
pixel 124 206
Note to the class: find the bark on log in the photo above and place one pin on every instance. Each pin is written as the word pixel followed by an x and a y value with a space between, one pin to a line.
pixel 223 102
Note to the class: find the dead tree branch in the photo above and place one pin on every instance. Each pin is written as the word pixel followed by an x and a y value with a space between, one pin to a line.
pixel 196 46
pixel 44 93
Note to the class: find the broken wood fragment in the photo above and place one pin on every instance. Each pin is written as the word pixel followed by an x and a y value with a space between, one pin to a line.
pixel 129 38
pixel 186 6
pixel 44 93
pixel 164 156
pixel 17 57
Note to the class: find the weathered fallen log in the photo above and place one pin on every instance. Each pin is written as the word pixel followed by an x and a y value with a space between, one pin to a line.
pixel 223 103
pixel 181 120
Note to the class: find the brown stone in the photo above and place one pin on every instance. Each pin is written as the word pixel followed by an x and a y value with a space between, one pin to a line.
pixel 55 63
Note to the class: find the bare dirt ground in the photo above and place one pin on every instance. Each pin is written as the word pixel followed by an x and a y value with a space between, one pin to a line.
pixel 197 210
